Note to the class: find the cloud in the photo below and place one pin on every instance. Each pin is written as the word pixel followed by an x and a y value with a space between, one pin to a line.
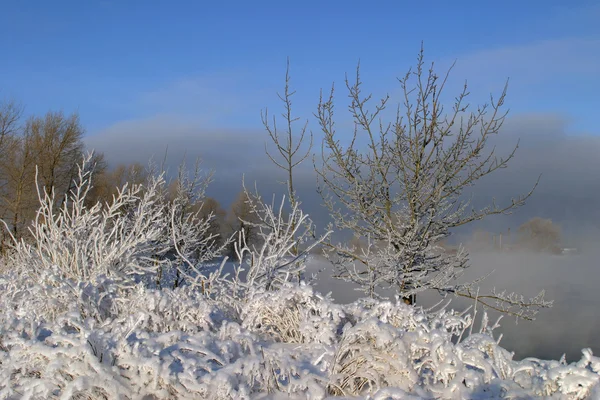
pixel 233 154
pixel 224 98
pixel 140 139
pixel 556 76
pixel 537 62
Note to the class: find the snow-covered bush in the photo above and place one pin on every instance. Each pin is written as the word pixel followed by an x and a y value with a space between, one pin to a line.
pixel 350 352
pixel 90 256
pixel 193 244
pixel 182 309
pixel 120 240
pixel 274 261
pixel 295 314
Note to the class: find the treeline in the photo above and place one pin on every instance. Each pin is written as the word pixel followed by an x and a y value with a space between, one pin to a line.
pixel 47 149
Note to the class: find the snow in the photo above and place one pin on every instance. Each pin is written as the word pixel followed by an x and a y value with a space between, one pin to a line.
pixel 166 344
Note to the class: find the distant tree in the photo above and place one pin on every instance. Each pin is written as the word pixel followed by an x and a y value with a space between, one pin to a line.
pixel 211 207
pixel 58 147
pixel 19 197
pixel 540 234
pixel 10 126
pixel 10 118
pixel 49 147
pixel 108 181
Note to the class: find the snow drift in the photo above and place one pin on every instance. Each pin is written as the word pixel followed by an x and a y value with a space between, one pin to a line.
pixel 177 344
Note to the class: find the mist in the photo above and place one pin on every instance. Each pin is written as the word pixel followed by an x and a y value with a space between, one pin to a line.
pixel 571 281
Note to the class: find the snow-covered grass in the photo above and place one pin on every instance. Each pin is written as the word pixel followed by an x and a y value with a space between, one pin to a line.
pixel 82 318
pixel 169 344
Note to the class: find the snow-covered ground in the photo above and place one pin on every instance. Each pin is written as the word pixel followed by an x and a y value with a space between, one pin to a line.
pixel 178 344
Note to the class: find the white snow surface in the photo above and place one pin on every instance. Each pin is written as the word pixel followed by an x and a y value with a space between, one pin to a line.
pixel 289 343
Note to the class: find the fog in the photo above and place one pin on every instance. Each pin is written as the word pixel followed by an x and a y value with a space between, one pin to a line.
pixel 571 281
pixel 567 162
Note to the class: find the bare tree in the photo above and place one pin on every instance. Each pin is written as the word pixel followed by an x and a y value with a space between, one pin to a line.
pixel 57 141
pixel 287 145
pixel 53 144
pixel 407 188
pixel 18 197
pixel 289 142
pixel 10 119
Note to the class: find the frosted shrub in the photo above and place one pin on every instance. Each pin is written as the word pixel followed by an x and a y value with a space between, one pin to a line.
pixel 50 296
pixel 279 257
pixel 181 309
pixel 120 240
pixel 192 245
pixel 294 314
pixel 93 255
pixel 381 350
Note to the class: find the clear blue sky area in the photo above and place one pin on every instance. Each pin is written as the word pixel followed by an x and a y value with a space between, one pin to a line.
pixel 116 61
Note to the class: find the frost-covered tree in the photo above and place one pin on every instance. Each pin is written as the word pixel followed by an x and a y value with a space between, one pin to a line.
pixel 406 187
pixel 288 139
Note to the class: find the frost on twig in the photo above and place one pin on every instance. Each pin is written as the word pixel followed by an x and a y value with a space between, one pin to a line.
pixel 109 248
pixel 121 240
pixel 194 245
pixel 279 255
pixel 512 304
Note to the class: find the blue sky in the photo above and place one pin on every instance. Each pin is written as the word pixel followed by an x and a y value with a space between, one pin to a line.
pixel 217 64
